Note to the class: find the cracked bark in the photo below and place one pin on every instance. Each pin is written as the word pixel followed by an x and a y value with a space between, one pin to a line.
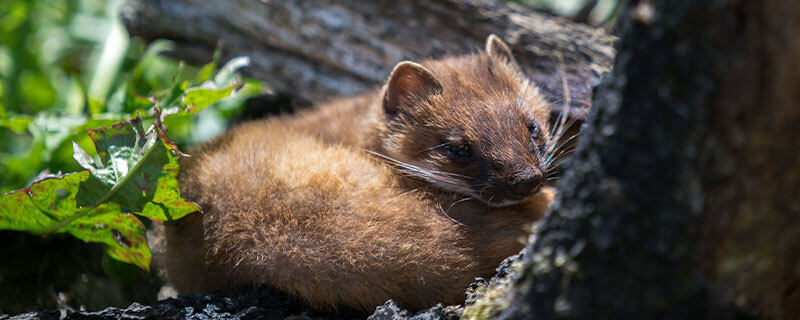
pixel 312 50
pixel 681 199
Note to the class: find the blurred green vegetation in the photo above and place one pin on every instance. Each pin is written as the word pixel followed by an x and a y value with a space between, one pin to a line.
pixel 69 65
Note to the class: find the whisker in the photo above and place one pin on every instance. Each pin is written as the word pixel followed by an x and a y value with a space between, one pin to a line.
pixel 457 202
pixel 567 97
pixel 428 173
pixel 564 142
pixel 559 148
pixel 557 137
pixel 558 159
pixel 434 147
pixel 448 216
pixel 556 154
pixel 557 142
pixel 455 175
pixel 561 154
pixel 558 130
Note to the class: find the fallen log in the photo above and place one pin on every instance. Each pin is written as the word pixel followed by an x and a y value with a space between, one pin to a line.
pixel 311 50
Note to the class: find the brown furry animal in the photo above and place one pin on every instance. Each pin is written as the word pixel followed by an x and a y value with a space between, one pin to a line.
pixel 406 193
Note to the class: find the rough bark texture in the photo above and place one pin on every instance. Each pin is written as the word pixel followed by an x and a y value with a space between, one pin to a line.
pixel 312 50
pixel 683 190
pixel 751 238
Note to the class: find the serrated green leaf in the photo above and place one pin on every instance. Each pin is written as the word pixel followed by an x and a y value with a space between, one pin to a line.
pixel 134 172
pixel 139 168
pixel 123 234
pixel 52 201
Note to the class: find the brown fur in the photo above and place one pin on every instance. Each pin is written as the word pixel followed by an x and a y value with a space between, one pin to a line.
pixel 324 205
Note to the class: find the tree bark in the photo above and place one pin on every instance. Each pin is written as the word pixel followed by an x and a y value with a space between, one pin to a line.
pixel 312 50
pixel 682 197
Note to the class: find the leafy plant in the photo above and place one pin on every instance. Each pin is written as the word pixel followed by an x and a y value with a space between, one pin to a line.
pixel 133 171
pixel 68 67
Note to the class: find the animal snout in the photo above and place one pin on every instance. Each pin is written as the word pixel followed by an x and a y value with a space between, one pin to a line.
pixel 525 186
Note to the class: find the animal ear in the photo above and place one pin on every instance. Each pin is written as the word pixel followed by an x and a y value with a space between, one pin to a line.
pixel 500 50
pixel 408 84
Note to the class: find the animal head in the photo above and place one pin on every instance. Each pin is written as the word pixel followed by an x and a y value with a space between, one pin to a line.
pixel 473 125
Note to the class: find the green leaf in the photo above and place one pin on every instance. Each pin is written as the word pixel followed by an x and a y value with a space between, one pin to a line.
pixel 200 98
pixel 134 101
pixel 18 124
pixel 54 128
pixel 206 72
pixel 135 169
pixel 223 85
pixel 227 75
pixel 123 234
pixel 50 202
pixel 135 172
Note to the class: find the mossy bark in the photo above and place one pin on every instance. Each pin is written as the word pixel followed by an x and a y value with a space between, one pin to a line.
pixel 683 190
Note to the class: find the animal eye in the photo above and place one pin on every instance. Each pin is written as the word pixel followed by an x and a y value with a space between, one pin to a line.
pixel 463 151
pixel 533 128
pixel 535 131
pixel 537 137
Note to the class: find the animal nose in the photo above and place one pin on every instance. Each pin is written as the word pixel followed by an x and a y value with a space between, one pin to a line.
pixel 525 186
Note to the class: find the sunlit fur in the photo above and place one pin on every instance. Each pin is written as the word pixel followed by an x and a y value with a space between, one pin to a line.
pixel 348 206
pixel 486 103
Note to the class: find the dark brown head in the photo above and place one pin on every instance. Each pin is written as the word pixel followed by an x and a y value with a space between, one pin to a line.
pixel 473 125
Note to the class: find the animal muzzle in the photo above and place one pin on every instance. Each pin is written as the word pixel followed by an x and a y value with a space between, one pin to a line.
pixel 512 189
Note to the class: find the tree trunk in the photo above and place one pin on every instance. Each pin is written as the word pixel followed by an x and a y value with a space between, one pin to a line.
pixel 682 199
pixel 312 50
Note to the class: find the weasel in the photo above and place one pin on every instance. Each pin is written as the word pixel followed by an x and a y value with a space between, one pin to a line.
pixel 406 193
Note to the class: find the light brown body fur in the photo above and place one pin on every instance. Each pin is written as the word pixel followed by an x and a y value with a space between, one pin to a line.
pixel 321 205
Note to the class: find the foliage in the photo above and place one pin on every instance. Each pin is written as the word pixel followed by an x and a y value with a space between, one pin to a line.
pixel 67 68
pixel 133 172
